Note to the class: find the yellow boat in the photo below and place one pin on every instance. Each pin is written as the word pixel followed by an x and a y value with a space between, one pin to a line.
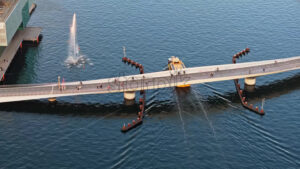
pixel 174 63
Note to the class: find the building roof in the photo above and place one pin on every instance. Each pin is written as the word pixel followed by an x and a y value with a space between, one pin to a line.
pixel 6 7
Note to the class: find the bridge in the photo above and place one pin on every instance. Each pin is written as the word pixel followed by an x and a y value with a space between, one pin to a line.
pixel 147 81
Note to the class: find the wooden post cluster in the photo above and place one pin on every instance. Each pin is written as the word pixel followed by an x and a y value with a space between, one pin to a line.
pixel 142 98
pixel 240 92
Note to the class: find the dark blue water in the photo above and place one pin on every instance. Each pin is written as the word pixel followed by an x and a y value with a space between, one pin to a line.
pixel 204 127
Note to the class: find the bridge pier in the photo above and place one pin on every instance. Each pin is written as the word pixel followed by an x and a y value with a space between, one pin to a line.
pixel 250 84
pixel 129 95
pixel 250 81
pixel 52 99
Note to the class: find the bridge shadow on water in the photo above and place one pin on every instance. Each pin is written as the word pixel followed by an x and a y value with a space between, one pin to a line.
pixel 213 103
pixel 19 63
pixel 63 108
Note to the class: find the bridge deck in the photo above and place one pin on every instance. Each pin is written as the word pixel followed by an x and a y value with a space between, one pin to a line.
pixel 28 34
pixel 10 93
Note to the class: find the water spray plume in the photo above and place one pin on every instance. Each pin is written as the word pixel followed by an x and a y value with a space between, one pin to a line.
pixel 73 47
pixel 262 103
pixel 74 56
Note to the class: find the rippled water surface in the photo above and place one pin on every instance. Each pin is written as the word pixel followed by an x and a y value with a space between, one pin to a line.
pixel 204 127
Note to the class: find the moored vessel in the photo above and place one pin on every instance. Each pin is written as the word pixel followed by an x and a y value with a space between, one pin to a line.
pixel 174 63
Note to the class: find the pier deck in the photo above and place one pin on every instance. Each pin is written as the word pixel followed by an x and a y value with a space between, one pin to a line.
pixel 27 34
pixel 31 34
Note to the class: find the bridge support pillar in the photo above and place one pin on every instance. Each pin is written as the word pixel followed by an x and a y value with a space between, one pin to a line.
pixel 129 95
pixel 52 99
pixel 250 81
pixel 250 84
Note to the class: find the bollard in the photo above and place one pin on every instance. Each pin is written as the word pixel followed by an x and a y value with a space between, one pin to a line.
pixel 141 100
pixel 141 71
pixel 141 108
pixel 130 96
pixel 137 65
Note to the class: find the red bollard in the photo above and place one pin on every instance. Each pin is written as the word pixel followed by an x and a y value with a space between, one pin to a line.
pixel 137 65
pixel 141 100
pixel 247 50
pixel 233 60
pixel 141 108
pixel 141 71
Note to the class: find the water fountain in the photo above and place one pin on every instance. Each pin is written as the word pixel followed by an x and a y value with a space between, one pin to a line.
pixel 75 58
pixel 73 46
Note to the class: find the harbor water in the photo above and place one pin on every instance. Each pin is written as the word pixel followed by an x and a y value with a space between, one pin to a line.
pixel 201 127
